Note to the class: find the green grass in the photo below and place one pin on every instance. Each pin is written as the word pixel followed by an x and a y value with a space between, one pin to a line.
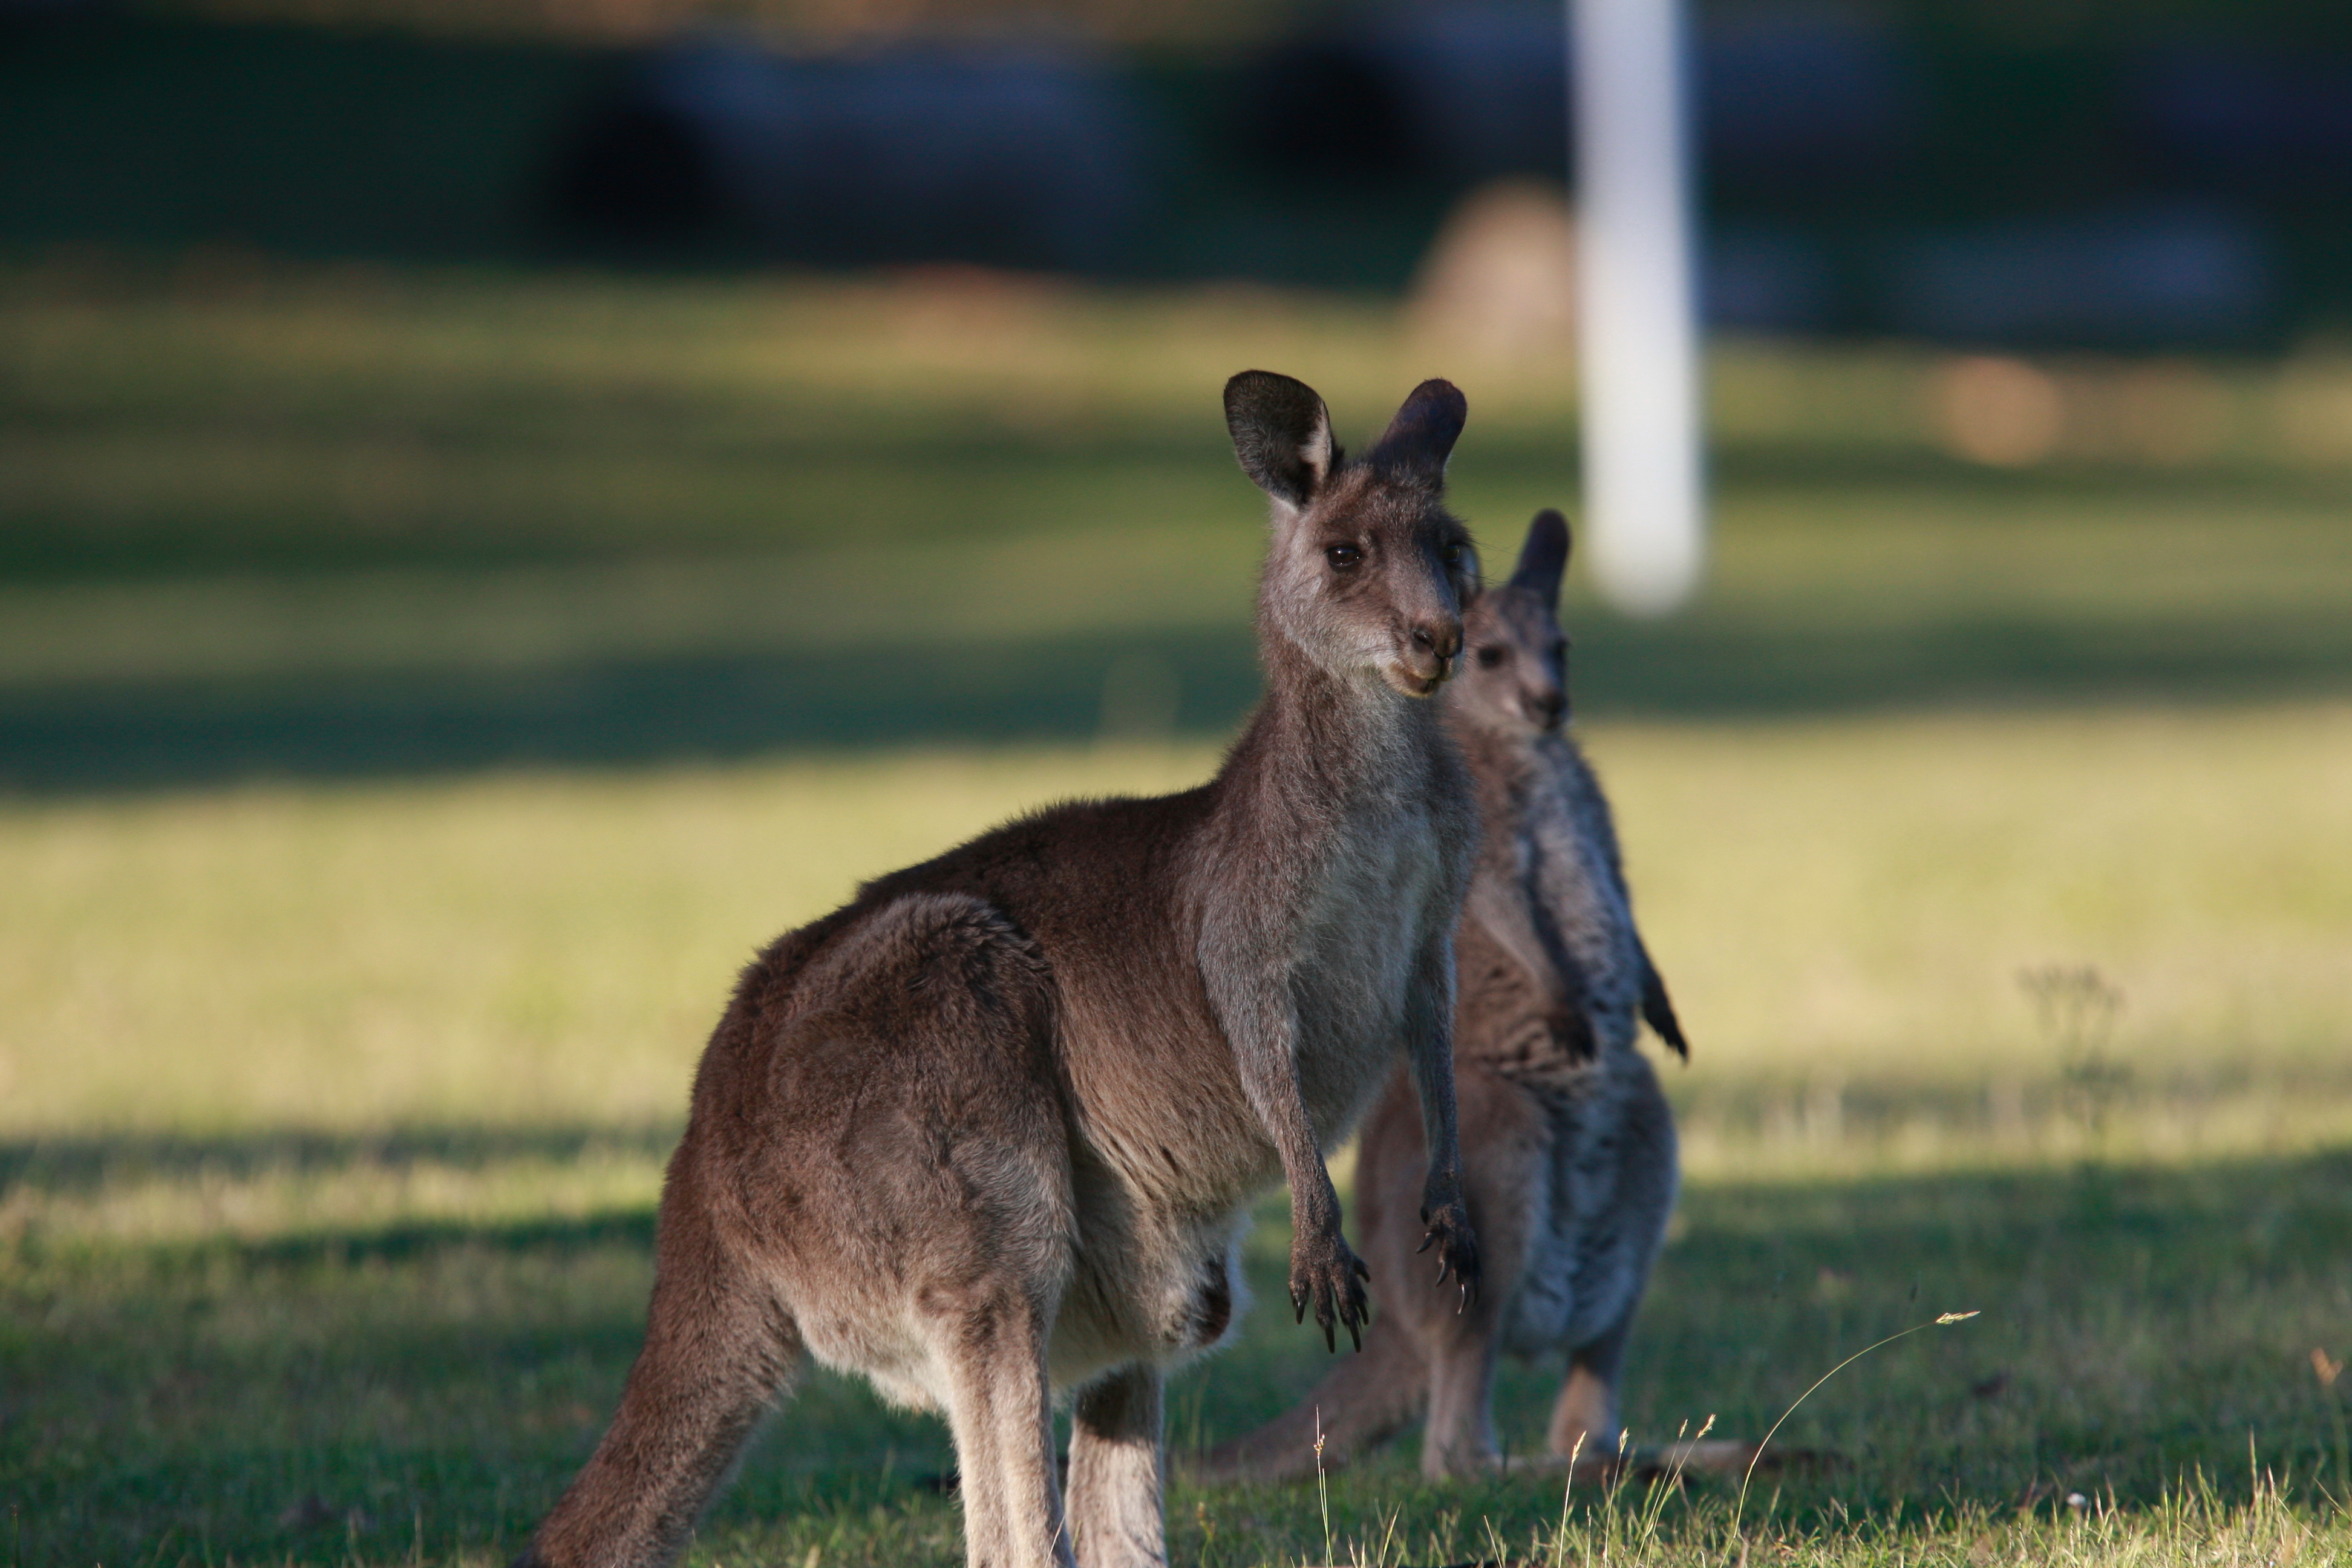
pixel 430 1383
pixel 334 1122
pixel 1844 906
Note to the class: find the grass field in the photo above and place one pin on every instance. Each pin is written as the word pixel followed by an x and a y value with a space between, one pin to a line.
pixel 335 1118
pixel 419 692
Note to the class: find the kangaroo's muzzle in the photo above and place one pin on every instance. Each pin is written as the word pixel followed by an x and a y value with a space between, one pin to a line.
pixel 1431 648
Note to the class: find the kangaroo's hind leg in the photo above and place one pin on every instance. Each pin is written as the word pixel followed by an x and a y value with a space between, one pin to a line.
pixel 1584 1415
pixel 992 1346
pixel 1505 1176
pixel 1115 1472
pixel 951 1186
pixel 1366 1398
pixel 718 1348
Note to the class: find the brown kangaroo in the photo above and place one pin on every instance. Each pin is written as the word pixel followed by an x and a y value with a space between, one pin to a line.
pixel 1569 1148
pixel 992 1128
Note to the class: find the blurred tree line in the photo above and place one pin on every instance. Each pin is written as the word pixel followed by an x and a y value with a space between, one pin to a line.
pixel 2109 173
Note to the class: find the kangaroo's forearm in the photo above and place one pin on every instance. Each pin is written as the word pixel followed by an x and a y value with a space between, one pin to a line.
pixel 1430 1052
pixel 1273 1092
pixel 1269 1064
pixel 1443 1208
pixel 1248 989
pixel 1262 1030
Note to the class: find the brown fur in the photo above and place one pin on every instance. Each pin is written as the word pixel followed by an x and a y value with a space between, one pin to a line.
pixel 993 1129
pixel 1568 1149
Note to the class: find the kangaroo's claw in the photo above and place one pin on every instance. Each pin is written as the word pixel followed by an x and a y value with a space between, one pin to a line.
pixel 1457 1248
pixel 1326 1274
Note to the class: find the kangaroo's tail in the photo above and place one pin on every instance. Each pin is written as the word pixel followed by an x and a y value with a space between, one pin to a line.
pixel 718 1348
pixel 1366 1397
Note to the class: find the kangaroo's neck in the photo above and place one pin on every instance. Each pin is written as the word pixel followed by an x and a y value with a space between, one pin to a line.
pixel 1510 774
pixel 1324 761
pixel 1342 739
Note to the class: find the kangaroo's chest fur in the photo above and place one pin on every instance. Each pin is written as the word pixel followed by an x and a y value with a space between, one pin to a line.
pixel 1383 891
pixel 1550 963
pixel 1578 889
pixel 1343 882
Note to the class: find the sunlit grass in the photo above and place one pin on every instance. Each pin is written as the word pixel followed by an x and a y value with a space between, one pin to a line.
pixel 1845 910
pixel 341 522
pixel 510 950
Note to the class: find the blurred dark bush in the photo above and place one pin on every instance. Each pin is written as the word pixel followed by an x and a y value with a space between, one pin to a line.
pixel 1020 156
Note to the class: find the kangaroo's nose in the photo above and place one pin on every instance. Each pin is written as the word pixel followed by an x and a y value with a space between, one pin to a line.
pixel 1550 705
pixel 1442 638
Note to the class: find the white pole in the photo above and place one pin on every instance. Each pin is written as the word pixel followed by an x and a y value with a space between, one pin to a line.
pixel 1637 302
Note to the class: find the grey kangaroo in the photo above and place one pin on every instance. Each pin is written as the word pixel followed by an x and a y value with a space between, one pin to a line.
pixel 991 1129
pixel 1568 1147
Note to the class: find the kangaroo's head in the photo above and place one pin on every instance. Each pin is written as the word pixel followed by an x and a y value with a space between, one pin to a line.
pixel 1367 572
pixel 1514 677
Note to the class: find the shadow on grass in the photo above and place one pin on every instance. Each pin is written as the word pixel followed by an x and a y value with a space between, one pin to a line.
pixel 716 708
pixel 86 1162
pixel 2137 1325
pixel 442 1379
pixel 156 734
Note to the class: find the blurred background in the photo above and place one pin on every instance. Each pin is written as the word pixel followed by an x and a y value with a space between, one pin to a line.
pixel 399 386
pixel 505 504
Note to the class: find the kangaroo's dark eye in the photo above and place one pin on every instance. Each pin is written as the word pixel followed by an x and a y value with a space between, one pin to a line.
pixel 1343 556
pixel 1490 656
pixel 1451 555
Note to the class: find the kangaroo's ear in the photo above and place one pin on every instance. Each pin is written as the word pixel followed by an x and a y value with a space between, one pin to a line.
pixel 1544 557
pixel 1282 434
pixel 1421 436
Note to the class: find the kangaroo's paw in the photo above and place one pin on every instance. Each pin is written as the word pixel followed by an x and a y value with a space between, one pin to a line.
pixel 1449 1232
pixel 1326 1274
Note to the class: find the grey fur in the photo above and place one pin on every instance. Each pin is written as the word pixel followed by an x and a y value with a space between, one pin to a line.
pixel 1569 1148
pixel 993 1129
